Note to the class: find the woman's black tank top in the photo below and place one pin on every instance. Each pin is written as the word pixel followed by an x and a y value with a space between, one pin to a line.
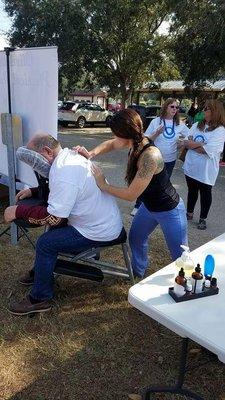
pixel 159 195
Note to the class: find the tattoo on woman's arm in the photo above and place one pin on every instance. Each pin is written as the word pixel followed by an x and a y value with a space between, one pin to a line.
pixel 149 164
pixel 159 162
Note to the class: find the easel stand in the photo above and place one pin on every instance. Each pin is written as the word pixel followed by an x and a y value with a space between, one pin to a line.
pixel 9 140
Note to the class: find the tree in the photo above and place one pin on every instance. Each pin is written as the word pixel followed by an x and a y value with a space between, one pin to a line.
pixel 47 23
pixel 114 43
pixel 167 70
pixel 128 47
pixel 199 35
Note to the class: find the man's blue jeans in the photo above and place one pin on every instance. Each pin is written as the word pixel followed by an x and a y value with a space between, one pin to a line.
pixel 174 227
pixel 49 245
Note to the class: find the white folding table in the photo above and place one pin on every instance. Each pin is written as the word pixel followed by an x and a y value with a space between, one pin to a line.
pixel 201 320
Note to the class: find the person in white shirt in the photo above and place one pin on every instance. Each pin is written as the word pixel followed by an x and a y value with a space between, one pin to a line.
pixel 201 166
pixel 165 131
pixel 93 217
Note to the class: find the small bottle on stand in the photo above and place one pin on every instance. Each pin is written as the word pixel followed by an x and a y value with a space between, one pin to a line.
pixel 180 283
pixel 188 287
pixel 213 283
pixel 207 283
pixel 197 280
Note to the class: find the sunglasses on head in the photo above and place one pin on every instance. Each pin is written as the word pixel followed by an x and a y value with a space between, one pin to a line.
pixel 206 108
pixel 176 107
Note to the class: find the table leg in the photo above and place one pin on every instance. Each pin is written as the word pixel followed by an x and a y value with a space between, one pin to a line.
pixel 178 387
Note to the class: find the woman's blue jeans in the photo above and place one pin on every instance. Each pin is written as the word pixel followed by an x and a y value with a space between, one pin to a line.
pixel 49 245
pixel 174 227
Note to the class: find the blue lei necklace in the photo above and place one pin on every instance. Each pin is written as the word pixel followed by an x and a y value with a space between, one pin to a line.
pixel 169 132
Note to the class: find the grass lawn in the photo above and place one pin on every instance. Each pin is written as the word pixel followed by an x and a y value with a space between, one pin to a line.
pixel 93 345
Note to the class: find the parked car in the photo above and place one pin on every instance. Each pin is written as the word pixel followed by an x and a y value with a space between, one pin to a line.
pixel 81 113
pixel 147 113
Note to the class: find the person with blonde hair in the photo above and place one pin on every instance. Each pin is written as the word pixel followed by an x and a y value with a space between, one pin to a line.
pixel 201 166
pixel 165 130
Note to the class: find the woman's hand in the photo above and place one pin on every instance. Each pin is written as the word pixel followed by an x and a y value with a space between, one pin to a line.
pixel 82 151
pixel 180 143
pixel 23 194
pixel 99 177
pixel 196 146
pixel 159 130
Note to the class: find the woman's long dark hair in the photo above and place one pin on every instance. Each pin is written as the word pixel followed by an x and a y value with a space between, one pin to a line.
pixel 127 124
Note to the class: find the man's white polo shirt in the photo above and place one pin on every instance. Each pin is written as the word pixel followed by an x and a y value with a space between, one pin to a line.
pixel 75 195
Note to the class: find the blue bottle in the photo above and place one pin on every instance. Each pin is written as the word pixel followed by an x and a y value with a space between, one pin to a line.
pixel 209 265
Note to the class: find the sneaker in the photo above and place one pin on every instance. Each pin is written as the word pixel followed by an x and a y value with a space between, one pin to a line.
pixel 25 307
pixel 189 216
pixel 202 224
pixel 134 211
pixel 28 278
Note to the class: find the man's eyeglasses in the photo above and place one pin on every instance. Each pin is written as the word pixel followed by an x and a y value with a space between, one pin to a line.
pixel 177 107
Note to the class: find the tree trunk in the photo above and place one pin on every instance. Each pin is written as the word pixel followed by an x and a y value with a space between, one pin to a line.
pixel 124 96
pixel 123 100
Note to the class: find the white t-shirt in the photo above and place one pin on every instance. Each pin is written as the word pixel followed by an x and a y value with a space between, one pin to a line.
pixel 205 167
pixel 167 140
pixel 75 195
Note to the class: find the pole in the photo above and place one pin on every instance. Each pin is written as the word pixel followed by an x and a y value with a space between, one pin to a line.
pixel 10 150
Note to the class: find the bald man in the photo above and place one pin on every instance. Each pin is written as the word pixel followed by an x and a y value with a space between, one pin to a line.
pixel 93 218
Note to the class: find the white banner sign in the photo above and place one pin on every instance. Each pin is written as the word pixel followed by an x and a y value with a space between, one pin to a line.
pixel 34 96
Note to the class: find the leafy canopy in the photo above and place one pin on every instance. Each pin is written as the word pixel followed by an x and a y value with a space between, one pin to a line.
pixel 114 43
pixel 128 47
pixel 199 33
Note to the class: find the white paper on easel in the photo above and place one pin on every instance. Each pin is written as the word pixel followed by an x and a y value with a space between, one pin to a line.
pixel 34 96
